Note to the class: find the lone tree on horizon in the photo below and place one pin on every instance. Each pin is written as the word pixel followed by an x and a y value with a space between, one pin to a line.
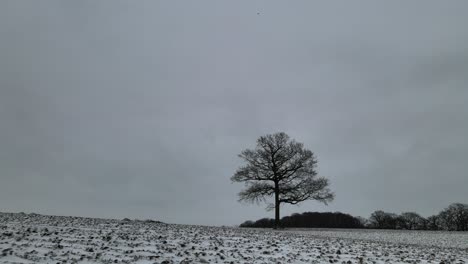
pixel 283 168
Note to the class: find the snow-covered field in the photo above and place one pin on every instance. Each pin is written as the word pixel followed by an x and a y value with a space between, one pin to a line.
pixel 30 238
pixel 423 238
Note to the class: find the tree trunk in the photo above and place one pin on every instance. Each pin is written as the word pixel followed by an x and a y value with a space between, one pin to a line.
pixel 277 207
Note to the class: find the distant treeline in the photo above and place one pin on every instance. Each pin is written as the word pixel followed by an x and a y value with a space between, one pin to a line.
pixel 452 218
pixel 310 219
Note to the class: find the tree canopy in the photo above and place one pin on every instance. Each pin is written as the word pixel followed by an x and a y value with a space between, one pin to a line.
pixel 283 168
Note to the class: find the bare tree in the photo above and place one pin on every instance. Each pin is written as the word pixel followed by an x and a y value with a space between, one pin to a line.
pixel 434 223
pixel 282 168
pixel 455 217
pixel 382 220
pixel 412 221
pixel 363 221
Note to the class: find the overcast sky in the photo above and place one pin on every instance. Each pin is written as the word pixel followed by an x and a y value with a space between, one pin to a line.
pixel 139 109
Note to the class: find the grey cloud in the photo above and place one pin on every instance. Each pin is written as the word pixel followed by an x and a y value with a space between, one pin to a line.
pixel 139 110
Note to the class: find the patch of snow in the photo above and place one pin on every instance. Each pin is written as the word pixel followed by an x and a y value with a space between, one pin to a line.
pixel 27 238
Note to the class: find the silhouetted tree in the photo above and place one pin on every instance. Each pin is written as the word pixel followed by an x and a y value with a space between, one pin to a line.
pixel 412 221
pixel 433 223
pixel 364 221
pixel 310 220
pixel 282 168
pixel 264 222
pixel 321 220
pixel 247 223
pixel 382 220
pixel 454 217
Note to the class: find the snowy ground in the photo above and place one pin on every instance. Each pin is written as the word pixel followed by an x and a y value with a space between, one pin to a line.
pixel 423 238
pixel 28 238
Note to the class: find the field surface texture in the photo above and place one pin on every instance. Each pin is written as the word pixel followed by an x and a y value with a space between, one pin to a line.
pixel 32 238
